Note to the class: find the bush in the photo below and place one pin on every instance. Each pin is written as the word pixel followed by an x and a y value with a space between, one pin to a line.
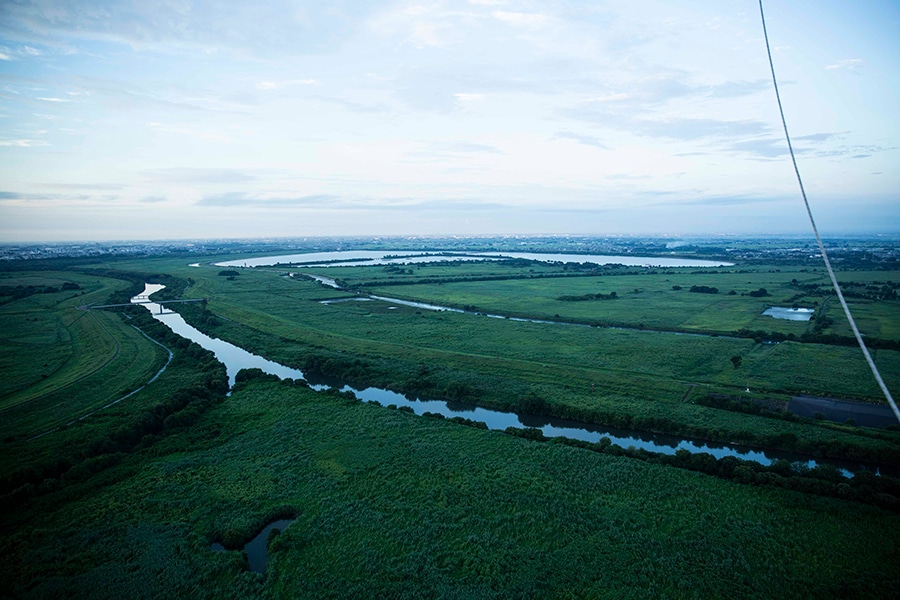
pixel 704 289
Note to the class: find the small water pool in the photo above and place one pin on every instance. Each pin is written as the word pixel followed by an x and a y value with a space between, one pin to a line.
pixel 790 314
pixel 257 549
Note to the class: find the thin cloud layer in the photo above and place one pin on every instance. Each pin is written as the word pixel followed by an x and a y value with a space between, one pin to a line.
pixel 451 116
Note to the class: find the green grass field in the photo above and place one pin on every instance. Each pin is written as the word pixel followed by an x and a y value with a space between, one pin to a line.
pixel 387 504
pixel 61 367
pixel 277 305
pixel 646 300
pixel 613 376
pixel 60 362
pixel 393 505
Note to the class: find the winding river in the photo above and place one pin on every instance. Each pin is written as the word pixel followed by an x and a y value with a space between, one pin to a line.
pixel 236 358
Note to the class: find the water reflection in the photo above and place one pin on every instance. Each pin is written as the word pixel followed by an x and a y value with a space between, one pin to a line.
pixel 790 314
pixel 586 432
pixel 233 357
pixel 345 258
pixel 236 358
pixel 257 549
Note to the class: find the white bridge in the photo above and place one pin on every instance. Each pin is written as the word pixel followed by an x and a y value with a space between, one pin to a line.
pixel 145 300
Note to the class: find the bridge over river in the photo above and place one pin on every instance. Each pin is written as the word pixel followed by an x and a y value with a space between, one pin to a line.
pixel 141 300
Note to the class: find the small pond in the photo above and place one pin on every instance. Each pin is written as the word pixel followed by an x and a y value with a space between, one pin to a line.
pixel 257 549
pixel 790 314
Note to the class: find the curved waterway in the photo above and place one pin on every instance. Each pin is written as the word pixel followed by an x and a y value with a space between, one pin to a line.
pixel 344 258
pixel 257 549
pixel 233 357
pixel 236 358
pixel 328 282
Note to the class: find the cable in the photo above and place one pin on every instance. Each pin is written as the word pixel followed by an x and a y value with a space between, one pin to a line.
pixel 837 288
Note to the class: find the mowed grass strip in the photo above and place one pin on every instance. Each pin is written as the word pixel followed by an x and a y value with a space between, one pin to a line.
pixel 60 362
pixel 47 343
pixel 91 346
pixel 134 363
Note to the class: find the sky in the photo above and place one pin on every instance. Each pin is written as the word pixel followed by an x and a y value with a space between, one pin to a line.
pixel 180 119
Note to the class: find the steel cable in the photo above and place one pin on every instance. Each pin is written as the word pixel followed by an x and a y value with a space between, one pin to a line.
pixel 834 283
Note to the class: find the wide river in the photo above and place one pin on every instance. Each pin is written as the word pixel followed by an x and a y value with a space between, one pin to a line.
pixel 236 358
pixel 381 257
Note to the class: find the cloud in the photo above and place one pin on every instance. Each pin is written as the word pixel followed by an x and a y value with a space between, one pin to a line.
pixel 686 129
pixel 581 138
pixel 849 64
pixel 83 186
pixel 520 19
pixel 232 26
pixel 817 137
pixel 765 148
pixel 281 84
pixel 10 54
pixel 198 175
pixel 737 89
pixel 243 199
pixel 183 131
pixel 443 151
pixel 25 143
pixel 18 196
pixel 423 26
pixel 444 86
pixel 152 199
pixel 775 147
pixel 461 147
pixel 455 205
pixel 45 99
pixel 61 198
pixel 632 103
pixel 612 97
pixel 352 106
pixel 738 200
pixel 627 177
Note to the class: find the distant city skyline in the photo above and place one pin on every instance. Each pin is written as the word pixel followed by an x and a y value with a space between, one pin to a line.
pixel 143 120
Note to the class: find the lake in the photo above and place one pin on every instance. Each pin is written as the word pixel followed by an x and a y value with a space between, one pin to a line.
pixel 378 257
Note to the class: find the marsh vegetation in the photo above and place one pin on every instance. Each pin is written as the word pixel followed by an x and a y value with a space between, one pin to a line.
pixel 388 503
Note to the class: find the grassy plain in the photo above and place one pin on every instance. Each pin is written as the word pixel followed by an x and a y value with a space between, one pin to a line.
pixel 126 502
pixel 647 299
pixel 59 362
pixel 71 379
pixel 582 372
pixel 274 304
pixel 393 505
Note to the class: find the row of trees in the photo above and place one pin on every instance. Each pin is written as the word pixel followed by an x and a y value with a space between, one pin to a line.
pixel 585 297
pixel 10 293
pixel 823 480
